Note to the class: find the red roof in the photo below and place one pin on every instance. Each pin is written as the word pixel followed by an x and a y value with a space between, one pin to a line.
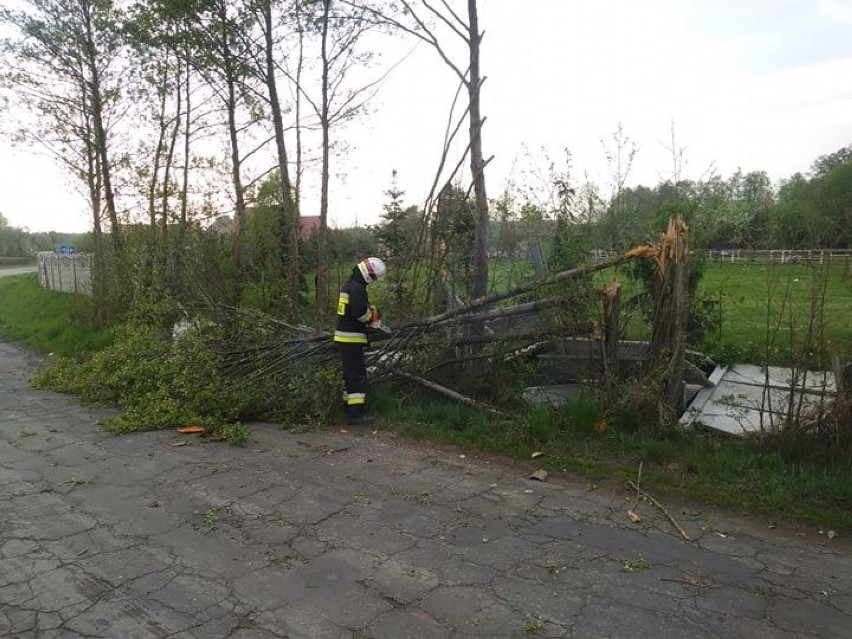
pixel 308 225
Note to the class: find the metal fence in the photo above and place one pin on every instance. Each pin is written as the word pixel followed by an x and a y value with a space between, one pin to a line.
pixel 65 273
pixel 781 256
pixel 812 257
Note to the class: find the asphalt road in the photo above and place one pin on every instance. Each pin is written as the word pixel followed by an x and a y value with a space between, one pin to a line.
pixel 17 270
pixel 325 534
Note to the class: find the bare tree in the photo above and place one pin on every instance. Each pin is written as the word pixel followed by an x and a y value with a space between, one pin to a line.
pixel 164 50
pixel 288 218
pixel 339 35
pixel 221 60
pixel 620 158
pixel 336 29
pixel 422 19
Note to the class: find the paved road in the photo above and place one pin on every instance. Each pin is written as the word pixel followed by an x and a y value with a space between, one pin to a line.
pixel 17 270
pixel 322 534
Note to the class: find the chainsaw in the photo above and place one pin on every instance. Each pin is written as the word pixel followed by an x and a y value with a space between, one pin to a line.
pixel 381 327
pixel 376 321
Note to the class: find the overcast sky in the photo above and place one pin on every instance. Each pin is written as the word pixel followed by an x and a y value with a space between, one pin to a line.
pixel 756 84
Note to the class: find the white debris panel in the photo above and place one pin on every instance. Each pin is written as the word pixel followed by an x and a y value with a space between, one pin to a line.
pixel 749 399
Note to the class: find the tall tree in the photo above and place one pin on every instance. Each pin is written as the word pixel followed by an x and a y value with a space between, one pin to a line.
pixel 825 163
pixel 422 19
pixel 223 62
pixel 339 34
pixel 834 199
pixel 63 66
pixel 155 31
pixel 288 224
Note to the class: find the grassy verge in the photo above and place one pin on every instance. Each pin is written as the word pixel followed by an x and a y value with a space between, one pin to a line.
pixel 46 320
pixel 725 472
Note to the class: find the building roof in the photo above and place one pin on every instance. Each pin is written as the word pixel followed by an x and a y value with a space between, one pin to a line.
pixel 308 225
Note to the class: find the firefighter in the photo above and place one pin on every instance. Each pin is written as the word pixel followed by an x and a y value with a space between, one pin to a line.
pixel 354 315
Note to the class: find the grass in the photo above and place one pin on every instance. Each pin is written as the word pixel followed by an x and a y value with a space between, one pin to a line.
pixel 632 565
pixel 46 320
pixel 748 293
pixel 748 298
pixel 532 624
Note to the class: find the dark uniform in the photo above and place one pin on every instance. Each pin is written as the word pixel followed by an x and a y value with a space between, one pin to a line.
pixel 350 334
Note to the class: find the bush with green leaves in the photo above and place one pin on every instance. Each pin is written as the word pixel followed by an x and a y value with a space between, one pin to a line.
pixel 158 383
pixel 165 383
pixel 311 399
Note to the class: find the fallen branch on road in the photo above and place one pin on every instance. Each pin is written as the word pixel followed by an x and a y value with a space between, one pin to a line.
pixel 650 499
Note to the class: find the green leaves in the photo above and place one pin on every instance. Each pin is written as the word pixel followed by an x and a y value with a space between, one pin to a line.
pixel 159 384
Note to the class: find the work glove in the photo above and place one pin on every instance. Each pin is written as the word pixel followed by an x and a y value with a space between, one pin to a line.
pixel 375 316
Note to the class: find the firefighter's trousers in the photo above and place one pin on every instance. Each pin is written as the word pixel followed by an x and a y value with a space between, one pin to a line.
pixel 354 377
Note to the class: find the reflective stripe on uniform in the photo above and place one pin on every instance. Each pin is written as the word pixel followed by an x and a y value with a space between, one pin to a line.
pixel 356 398
pixel 346 337
pixel 342 301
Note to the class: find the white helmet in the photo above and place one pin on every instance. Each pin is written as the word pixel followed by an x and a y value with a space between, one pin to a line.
pixel 371 269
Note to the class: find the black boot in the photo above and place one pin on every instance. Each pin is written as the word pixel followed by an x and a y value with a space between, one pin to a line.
pixel 359 418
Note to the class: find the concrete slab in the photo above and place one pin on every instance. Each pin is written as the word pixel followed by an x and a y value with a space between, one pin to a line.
pixel 749 399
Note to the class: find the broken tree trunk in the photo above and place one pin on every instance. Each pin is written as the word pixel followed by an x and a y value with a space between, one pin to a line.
pixel 611 298
pixel 668 340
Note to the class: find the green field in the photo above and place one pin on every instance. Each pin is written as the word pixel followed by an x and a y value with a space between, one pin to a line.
pixel 762 312
pixel 767 309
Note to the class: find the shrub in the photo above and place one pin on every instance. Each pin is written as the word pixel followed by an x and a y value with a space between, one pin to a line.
pixel 311 399
pixel 159 384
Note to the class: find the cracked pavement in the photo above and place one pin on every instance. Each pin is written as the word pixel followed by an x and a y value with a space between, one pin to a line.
pixel 322 534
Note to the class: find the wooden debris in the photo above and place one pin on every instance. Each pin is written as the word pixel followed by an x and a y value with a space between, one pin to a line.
pixel 191 429
pixel 650 499
pixel 446 391
pixel 268 347
pixel 612 310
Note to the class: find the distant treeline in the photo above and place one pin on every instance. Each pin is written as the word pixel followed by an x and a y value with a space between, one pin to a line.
pixel 17 243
